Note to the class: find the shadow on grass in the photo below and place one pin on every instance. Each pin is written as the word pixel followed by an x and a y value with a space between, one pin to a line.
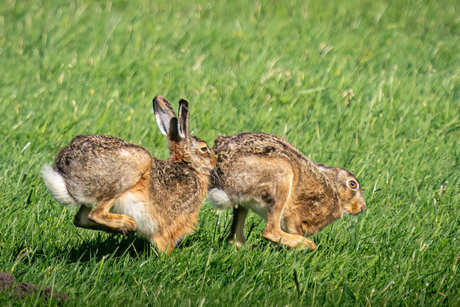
pixel 114 245
pixel 117 246
pixel 94 248
pixel 91 249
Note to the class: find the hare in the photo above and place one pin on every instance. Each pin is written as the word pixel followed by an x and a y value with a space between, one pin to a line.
pixel 132 191
pixel 295 196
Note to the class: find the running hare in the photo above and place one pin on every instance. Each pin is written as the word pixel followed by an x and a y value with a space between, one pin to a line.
pixel 132 191
pixel 295 196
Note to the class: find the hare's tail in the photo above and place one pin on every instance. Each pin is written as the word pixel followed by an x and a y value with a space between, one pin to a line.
pixel 219 199
pixel 56 185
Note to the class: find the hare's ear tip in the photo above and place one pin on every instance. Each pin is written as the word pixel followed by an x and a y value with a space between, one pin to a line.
pixel 183 101
pixel 158 97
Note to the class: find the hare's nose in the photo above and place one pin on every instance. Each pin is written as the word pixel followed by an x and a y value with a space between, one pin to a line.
pixel 363 208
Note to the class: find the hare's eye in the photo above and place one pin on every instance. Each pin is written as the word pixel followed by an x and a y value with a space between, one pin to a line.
pixel 352 184
pixel 203 147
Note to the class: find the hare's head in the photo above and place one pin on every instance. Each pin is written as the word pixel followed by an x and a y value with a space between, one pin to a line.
pixel 182 147
pixel 350 192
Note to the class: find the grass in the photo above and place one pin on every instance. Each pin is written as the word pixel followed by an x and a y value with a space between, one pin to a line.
pixel 371 86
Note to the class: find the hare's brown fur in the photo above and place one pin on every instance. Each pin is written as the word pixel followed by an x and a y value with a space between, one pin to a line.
pixel 267 174
pixel 133 191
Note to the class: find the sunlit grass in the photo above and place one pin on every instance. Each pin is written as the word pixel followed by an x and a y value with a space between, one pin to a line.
pixel 370 86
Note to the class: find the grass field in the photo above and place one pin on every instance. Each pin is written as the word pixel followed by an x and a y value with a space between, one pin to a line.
pixel 370 86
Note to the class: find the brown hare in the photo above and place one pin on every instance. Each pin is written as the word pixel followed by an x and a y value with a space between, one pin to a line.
pixel 295 196
pixel 132 191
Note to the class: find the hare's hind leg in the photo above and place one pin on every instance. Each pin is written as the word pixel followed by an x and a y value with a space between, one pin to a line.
pixel 81 220
pixel 115 222
pixel 239 217
pixel 277 196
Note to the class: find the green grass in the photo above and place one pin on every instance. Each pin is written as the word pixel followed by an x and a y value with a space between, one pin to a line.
pixel 93 67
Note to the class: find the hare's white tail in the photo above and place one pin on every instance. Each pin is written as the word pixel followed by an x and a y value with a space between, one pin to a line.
pixel 56 185
pixel 219 199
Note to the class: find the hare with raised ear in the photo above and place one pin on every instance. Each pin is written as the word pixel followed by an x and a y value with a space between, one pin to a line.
pixel 295 196
pixel 132 191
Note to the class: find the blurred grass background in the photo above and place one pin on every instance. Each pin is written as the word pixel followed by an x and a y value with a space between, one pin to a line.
pixel 371 86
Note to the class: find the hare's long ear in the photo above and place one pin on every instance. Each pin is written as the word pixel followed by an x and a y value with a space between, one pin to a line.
pixel 183 118
pixel 164 113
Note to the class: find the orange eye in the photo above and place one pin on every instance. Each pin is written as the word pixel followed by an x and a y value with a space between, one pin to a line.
pixel 352 184
pixel 203 147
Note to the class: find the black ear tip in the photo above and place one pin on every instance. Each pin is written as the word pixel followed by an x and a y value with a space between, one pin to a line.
pixel 159 98
pixel 161 103
pixel 155 101
pixel 183 102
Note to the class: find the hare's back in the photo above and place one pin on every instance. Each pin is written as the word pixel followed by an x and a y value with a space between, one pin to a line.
pixel 99 167
pixel 264 144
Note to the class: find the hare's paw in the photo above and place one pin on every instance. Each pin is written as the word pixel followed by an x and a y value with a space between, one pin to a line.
pixel 128 227
pixel 301 242
pixel 234 240
pixel 115 222
pixel 307 243
pixel 289 240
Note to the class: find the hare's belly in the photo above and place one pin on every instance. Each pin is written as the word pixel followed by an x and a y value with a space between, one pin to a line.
pixel 255 204
pixel 221 200
pixel 135 206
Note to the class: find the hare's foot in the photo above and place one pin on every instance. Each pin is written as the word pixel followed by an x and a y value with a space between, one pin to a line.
pixel 237 229
pixel 81 220
pixel 238 243
pixel 163 242
pixel 289 240
pixel 115 222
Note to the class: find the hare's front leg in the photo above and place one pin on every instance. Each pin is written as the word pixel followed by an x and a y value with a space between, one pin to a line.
pixel 239 216
pixel 277 196
pixel 114 222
